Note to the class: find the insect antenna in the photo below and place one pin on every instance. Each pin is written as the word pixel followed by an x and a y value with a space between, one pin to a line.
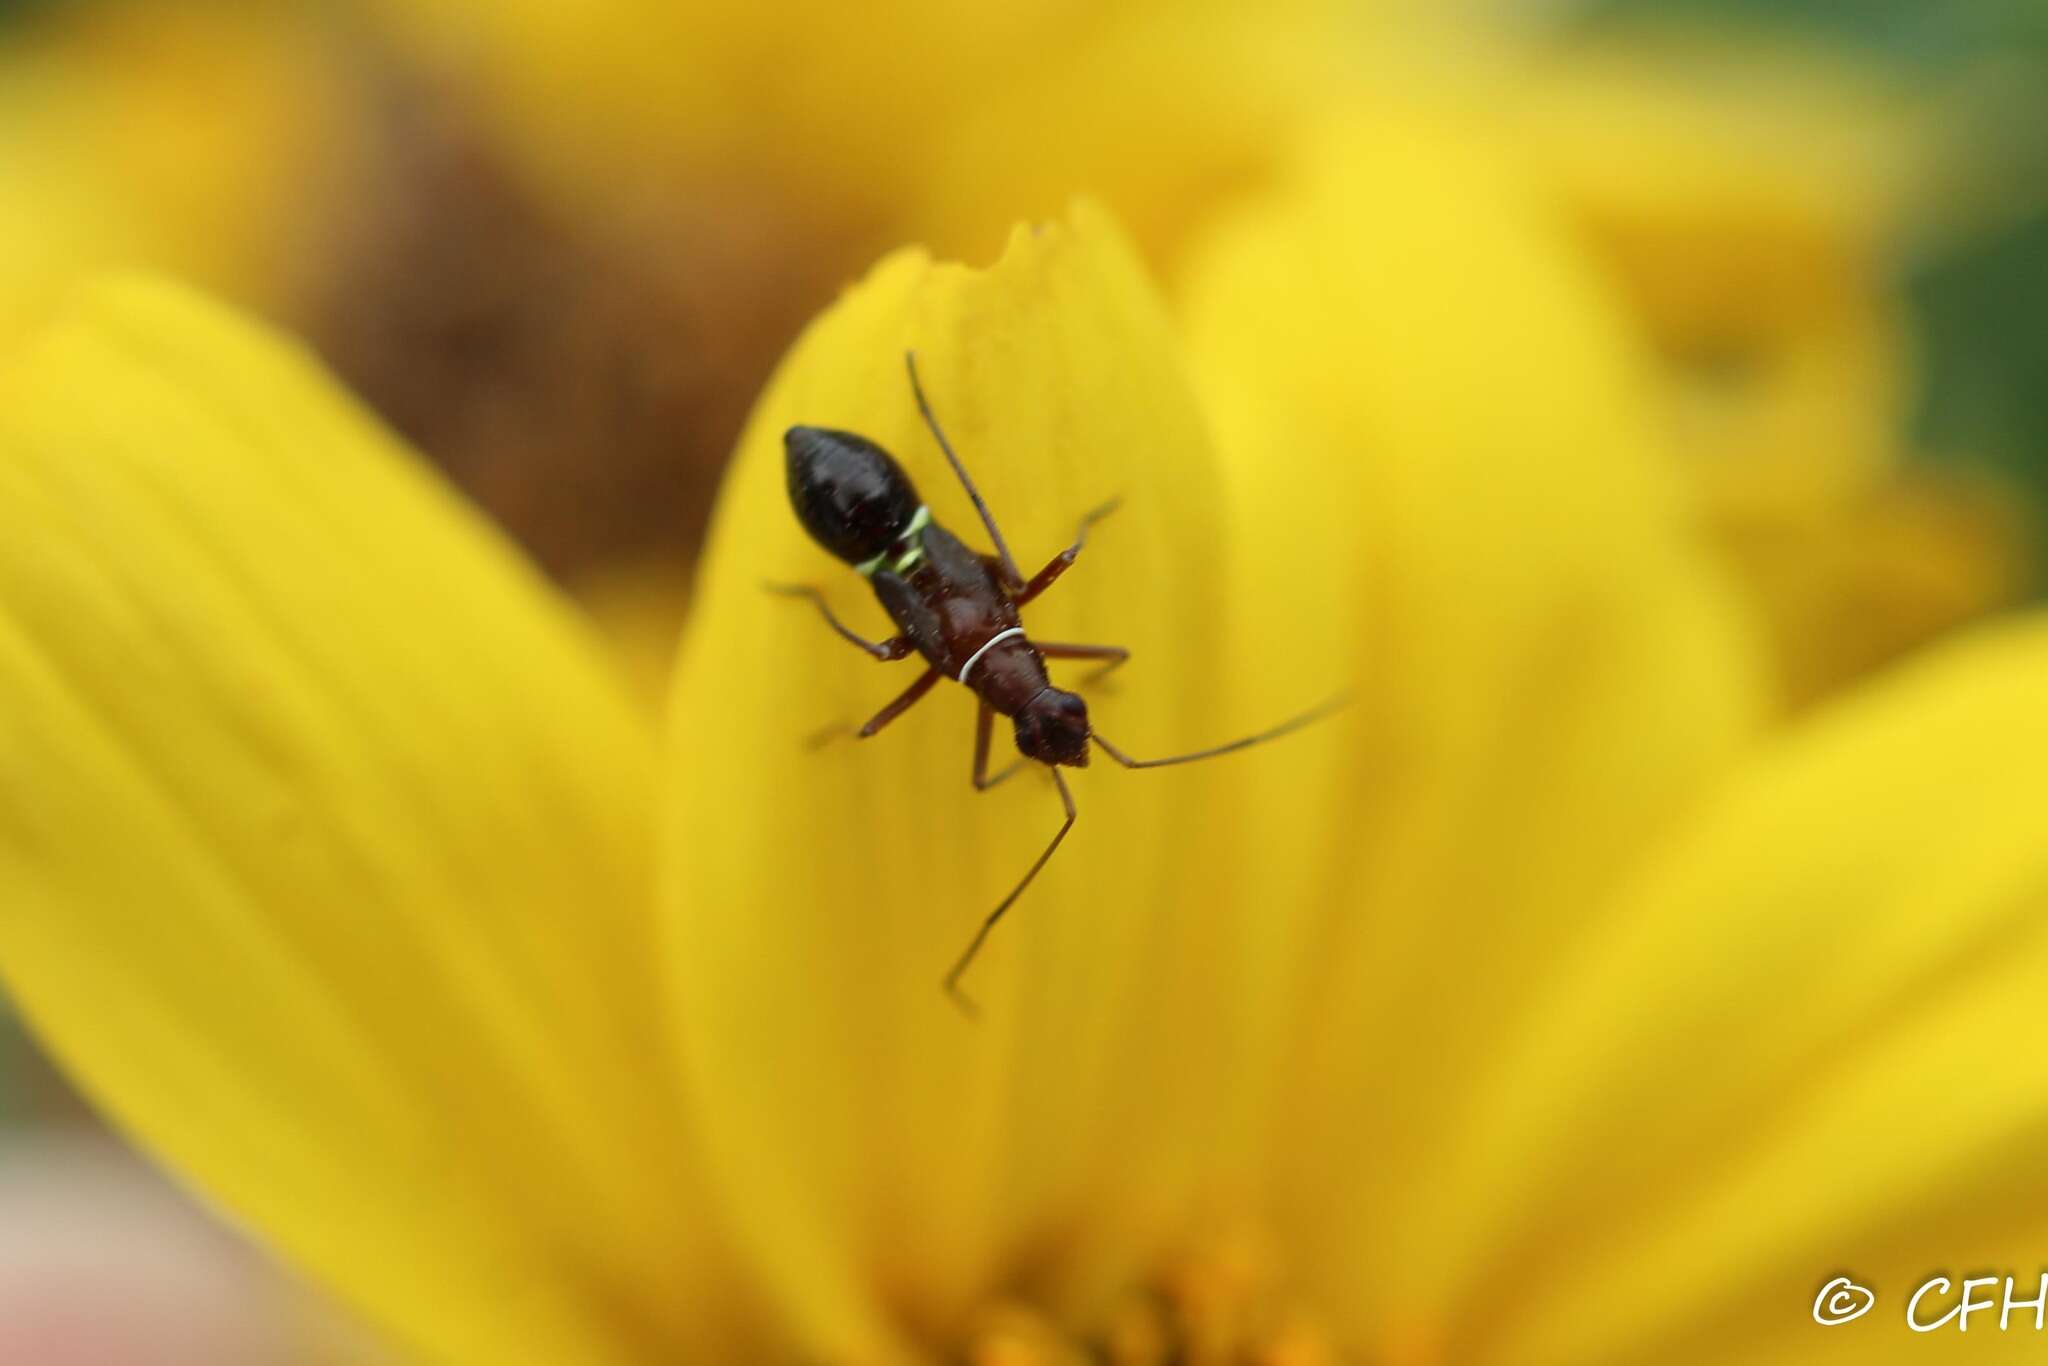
pixel 1287 727
pixel 988 519
pixel 952 983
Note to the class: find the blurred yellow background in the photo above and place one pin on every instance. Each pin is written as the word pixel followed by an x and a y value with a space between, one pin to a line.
pixel 561 249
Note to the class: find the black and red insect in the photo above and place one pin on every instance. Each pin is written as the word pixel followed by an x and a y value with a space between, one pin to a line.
pixel 959 610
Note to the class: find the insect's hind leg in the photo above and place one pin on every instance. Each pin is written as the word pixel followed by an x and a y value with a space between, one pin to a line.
pixel 1114 655
pixel 896 647
pixel 910 697
pixel 952 982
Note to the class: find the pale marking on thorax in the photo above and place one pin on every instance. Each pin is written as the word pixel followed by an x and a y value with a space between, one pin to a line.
pixel 993 641
pixel 907 561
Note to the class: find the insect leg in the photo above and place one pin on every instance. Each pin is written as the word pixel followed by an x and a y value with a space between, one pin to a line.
pixel 896 647
pixel 982 721
pixel 904 703
pixel 1115 654
pixel 1011 578
pixel 1060 563
pixel 952 982
pixel 826 734
pixel 1286 727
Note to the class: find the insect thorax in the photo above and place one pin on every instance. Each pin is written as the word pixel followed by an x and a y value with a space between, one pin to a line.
pixel 905 552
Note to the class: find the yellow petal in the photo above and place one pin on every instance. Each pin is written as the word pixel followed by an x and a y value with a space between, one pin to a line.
pixel 203 139
pixel 1732 187
pixel 1753 208
pixel 841 102
pixel 1445 441
pixel 1805 1049
pixel 639 607
pixel 1164 112
pixel 323 835
pixel 891 1158
pixel 921 117
pixel 1850 584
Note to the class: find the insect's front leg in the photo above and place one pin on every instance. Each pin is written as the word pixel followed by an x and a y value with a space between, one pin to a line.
pixel 896 647
pixel 1060 563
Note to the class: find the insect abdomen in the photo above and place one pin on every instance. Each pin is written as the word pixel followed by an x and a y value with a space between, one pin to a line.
pixel 851 496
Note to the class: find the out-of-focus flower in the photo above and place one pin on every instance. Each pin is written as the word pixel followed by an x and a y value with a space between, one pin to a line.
pixel 207 140
pixel 907 118
pixel 1526 1012
pixel 455 1003
pixel 639 608
pixel 569 239
pixel 580 372
pixel 1757 207
pixel 749 160
pixel 1752 204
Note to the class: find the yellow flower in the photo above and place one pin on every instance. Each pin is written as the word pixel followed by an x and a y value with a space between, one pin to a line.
pixel 202 139
pixel 907 115
pixel 1492 1021
pixel 592 226
pixel 1755 207
pixel 1749 202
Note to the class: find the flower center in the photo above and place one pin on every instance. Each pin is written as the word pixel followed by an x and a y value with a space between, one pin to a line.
pixel 1224 1304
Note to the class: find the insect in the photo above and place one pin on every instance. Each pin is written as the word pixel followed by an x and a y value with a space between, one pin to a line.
pixel 959 610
